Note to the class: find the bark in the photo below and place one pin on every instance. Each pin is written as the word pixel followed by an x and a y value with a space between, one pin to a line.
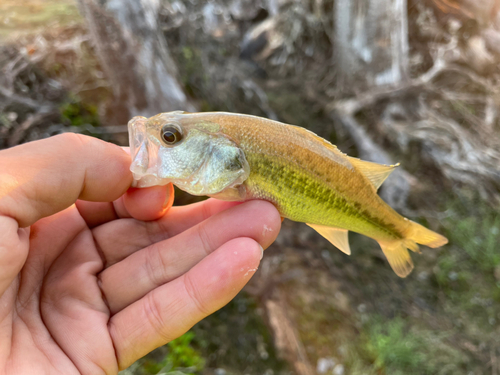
pixel 135 56
pixel 371 43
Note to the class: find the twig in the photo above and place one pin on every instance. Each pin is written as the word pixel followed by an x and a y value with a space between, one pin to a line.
pixel 13 97
pixel 490 114
pixel 286 338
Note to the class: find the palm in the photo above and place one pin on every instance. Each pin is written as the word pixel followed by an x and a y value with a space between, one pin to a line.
pixel 58 294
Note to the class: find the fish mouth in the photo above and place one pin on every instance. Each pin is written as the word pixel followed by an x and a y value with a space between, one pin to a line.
pixel 144 154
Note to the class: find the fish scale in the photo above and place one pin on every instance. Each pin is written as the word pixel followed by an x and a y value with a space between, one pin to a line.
pixel 307 178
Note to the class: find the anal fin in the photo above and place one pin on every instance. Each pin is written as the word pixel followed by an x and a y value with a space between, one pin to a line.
pixel 398 255
pixel 336 236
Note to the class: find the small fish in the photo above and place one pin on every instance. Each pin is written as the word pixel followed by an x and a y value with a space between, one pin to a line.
pixel 240 157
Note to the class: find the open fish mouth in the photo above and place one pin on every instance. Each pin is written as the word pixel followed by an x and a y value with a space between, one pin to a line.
pixel 144 154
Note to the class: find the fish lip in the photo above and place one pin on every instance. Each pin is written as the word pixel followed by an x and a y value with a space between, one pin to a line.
pixel 138 148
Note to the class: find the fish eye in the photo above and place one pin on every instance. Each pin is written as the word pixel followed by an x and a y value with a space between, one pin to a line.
pixel 171 134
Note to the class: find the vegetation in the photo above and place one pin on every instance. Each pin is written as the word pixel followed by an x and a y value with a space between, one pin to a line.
pixel 180 357
pixel 19 17
pixel 78 113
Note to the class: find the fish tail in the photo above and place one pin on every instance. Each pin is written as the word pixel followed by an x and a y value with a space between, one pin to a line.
pixel 396 251
pixel 424 236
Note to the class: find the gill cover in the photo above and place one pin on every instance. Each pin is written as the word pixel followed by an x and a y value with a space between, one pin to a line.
pixel 203 162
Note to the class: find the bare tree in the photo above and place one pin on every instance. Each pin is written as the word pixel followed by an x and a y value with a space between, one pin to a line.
pixel 135 56
pixel 371 42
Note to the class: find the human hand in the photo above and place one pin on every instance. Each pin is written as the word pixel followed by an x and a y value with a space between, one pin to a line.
pixel 89 287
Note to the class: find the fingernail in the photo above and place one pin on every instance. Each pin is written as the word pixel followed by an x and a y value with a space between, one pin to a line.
pixel 261 252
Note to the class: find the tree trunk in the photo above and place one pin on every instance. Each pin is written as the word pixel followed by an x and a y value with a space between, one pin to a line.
pixel 135 56
pixel 371 43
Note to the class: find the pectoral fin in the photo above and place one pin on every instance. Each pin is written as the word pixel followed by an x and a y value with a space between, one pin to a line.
pixel 233 194
pixel 337 236
pixel 376 173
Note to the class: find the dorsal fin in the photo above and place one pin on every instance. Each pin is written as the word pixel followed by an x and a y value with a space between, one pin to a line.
pixel 374 172
pixel 336 236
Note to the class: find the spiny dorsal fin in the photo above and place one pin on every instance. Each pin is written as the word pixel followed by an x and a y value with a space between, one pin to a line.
pixel 337 236
pixel 376 173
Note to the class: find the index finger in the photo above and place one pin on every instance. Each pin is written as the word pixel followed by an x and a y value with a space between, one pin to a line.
pixel 40 178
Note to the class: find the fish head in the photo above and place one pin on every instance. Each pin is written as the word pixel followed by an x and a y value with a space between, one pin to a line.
pixel 186 150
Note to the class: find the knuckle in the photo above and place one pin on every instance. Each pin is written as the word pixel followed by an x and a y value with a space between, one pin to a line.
pixel 155 265
pixel 152 312
pixel 205 239
pixel 157 230
pixel 206 210
pixel 195 295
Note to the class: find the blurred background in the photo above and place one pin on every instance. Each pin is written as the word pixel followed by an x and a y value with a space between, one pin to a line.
pixel 415 82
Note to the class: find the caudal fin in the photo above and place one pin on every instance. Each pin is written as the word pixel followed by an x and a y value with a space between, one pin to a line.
pixel 424 236
pixel 397 253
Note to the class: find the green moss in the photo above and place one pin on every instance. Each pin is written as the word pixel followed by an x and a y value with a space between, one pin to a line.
pixel 77 113
pixel 474 234
pixel 397 349
pixel 468 269
pixel 180 356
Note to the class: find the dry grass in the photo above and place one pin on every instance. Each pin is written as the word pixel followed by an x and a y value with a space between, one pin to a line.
pixel 21 17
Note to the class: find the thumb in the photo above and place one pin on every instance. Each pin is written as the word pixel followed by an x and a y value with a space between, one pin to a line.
pixel 40 178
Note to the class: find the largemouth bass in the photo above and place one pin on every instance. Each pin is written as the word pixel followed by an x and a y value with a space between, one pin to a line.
pixel 240 157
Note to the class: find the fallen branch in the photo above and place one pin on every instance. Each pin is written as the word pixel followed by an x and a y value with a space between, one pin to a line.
pixel 286 338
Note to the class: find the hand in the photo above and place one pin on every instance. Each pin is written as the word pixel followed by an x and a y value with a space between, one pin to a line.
pixel 89 287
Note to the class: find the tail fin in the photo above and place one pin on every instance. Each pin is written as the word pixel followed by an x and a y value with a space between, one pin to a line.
pixel 425 236
pixel 397 253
